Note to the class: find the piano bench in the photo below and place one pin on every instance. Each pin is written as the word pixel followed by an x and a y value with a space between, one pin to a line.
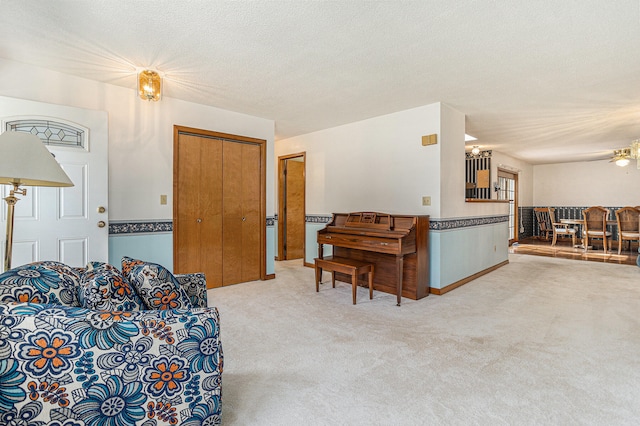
pixel 346 266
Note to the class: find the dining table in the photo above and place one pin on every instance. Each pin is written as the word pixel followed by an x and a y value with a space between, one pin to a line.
pixel 580 222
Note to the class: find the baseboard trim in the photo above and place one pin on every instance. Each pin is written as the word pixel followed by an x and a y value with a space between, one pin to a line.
pixel 270 277
pixel 453 286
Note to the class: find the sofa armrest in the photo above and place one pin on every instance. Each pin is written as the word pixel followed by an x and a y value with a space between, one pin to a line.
pixel 196 287
pixel 65 364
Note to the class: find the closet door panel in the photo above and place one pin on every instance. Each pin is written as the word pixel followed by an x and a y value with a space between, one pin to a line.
pixel 187 257
pixel 211 247
pixel 219 218
pixel 232 212
pixel 251 212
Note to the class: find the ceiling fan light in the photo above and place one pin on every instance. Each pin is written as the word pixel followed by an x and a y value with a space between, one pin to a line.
pixel 622 162
pixel 475 150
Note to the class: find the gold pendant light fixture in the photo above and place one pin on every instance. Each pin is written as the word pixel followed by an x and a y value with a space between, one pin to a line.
pixel 149 85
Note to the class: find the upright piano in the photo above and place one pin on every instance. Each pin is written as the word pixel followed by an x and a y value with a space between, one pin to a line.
pixel 398 245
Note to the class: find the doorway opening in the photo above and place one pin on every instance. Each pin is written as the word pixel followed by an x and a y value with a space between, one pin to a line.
pixel 508 190
pixel 291 207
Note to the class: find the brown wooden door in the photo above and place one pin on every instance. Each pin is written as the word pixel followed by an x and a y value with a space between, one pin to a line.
pixel 294 209
pixel 251 221
pixel 218 208
pixel 211 227
pixel 232 214
pixel 198 216
pixel 241 213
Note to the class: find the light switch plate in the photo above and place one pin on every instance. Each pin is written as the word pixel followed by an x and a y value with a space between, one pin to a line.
pixel 163 199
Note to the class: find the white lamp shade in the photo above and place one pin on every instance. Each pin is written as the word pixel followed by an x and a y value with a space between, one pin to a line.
pixel 24 160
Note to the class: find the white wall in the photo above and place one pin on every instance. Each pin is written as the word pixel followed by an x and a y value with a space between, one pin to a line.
pixel 452 163
pixel 453 171
pixel 372 165
pixel 582 184
pixel 140 134
pixel 380 164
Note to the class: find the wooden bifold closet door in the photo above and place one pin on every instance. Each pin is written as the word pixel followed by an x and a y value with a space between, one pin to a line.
pixel 218 208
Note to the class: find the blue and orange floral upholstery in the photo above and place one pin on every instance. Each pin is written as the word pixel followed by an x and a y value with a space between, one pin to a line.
pixel 76 366
pixel 40 282
pixel 103 287
pixel 155 285
pixel 195 285
pixel 65 365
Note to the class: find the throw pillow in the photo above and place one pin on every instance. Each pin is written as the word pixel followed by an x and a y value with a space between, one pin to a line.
pixel 195 285
pixel 104 288
pixel 40 282
pixel 156 286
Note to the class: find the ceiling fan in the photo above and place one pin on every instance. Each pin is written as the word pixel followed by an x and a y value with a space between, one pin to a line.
pixel 622 157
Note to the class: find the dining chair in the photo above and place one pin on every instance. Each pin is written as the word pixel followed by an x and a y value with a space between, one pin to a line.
pixel 544 221
pixel 560 228
pixel 628 226
pixel 595 225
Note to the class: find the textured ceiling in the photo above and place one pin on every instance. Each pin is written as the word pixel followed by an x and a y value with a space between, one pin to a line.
pixel 544 81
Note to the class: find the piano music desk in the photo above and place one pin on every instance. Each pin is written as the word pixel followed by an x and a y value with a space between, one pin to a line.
pixel 347 266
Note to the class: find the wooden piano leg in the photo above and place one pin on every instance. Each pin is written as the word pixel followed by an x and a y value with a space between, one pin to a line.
pixel 354 286
pixel 318 277
pixel 399 264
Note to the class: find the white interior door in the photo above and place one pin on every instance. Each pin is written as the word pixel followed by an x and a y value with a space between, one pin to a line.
pixel 62 224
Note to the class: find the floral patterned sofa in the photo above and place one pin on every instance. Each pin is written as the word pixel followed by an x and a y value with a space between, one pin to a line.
pixel 97 346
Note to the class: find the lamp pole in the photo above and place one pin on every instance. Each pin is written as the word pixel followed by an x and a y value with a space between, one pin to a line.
pixel 11 202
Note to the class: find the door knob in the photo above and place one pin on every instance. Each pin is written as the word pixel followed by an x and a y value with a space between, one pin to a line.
pixel 198 220
pixel 101 224
pixel 101 209
pixel 244 218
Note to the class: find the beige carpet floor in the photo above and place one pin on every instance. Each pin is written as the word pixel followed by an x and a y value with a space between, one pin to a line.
pixel 538 341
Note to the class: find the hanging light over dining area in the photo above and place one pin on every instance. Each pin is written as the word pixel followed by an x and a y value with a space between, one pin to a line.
pixel 622 157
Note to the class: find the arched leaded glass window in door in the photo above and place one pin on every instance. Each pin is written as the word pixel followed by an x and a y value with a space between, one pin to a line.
pixel 55 133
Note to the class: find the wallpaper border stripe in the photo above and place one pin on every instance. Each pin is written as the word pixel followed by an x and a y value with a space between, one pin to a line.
pixel 124 227
pixel 163 226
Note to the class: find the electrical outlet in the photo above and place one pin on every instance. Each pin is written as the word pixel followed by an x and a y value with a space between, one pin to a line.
pixel 426 200
pixel 163 199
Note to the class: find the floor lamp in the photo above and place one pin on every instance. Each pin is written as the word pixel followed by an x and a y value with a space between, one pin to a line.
pixel 25 161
